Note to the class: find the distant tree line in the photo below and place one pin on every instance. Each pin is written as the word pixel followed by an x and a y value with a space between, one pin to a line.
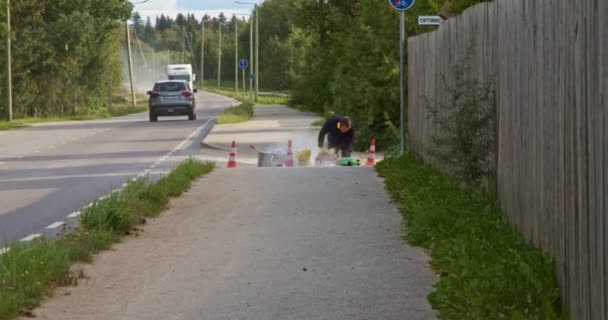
pixel 63 53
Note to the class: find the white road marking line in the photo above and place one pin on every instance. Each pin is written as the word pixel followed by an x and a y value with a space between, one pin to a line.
pixel 73 214
pixel 21 157
pixel 55 225
pixel 2 162
pixel 31 237
pixel 37 151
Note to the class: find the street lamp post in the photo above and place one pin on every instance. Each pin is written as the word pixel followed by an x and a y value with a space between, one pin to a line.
pixel 257 53
pixel 202 51
pixel 219 56
pixel 251 58
pixel 236 54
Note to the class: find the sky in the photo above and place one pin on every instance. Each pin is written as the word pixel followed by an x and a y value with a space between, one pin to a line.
pixel 152 8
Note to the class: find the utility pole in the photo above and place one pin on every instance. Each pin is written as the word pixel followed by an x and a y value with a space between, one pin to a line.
pixel 153 64
pixel 219 55
pixel 9 77
pixel 130 64
pixel 109 85
pixel 257 52
pixel 183 44
pixel 236 54
pixel 202 51
pixel 251 58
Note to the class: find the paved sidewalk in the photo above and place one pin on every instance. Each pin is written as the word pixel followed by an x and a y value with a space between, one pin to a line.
pixel 261 244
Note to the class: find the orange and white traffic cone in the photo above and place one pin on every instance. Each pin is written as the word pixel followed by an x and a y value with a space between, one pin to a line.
pixel 289 160
pixel 371 156
pixel 232 159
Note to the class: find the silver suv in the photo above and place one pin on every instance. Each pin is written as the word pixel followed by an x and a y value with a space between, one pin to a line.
pixel 172 98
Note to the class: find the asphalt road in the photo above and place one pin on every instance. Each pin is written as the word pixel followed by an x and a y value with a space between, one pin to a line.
pixel 51 170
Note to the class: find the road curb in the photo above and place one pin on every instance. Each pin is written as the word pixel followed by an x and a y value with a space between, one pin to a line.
pixel 214 147
pixel 209 145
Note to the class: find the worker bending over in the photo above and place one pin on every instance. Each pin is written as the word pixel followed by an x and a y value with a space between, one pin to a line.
pixel 340 132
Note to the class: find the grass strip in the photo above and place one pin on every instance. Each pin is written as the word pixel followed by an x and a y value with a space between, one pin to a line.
pixel 318 123
pixel 270 98
pixel 115 111
pixel 486 270
pixel 237 114
pixel 29 272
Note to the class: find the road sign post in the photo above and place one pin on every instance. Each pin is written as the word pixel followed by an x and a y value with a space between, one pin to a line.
pixel 401 6
pixel 244 64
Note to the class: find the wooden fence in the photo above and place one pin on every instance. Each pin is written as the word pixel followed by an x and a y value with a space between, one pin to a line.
pixel 549 61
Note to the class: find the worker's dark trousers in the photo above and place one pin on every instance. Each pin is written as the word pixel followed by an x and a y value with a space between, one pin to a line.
pixel 333 142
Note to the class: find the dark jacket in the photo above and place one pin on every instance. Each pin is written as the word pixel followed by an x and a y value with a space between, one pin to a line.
pixel 342 141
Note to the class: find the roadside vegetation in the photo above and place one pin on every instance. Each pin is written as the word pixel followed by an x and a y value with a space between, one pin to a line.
pixel 59 70
pixel 237 114
pixel 29 272
pixel 486 270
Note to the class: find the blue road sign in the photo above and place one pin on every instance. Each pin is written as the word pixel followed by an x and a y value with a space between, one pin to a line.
pixel 401 4
pixel 244 64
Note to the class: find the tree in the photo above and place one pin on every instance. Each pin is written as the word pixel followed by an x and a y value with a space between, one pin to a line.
pixel 138 23
pixel 148 33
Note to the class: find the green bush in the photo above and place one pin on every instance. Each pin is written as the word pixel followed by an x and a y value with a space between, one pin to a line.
pixel 466 139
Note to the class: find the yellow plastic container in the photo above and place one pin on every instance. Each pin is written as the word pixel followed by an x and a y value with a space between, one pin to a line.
pixel 303 158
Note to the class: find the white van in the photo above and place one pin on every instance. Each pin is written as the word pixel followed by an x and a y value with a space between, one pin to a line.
pixel 181 72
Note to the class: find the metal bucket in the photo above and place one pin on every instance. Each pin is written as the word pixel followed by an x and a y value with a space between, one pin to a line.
pixel 269 159
pixel 266 159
